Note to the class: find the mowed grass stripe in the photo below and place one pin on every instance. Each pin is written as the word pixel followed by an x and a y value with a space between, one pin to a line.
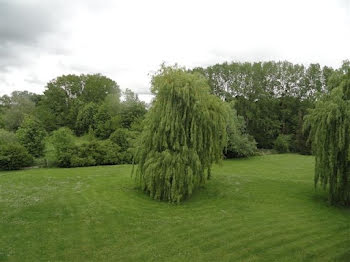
pixel 273 241
pixel 323 244
pixel 259 209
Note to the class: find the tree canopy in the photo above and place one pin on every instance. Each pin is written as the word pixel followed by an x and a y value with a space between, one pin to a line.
pixel 272 97
pixel 67 94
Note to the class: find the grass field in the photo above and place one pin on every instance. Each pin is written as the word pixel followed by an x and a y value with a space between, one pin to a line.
pixel 259 209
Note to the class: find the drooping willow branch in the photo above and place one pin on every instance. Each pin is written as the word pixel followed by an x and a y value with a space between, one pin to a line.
pixel 329 124
pixel 184 133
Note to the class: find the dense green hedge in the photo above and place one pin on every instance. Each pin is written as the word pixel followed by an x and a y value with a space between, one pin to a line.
pixel 66 152
pixel 14 156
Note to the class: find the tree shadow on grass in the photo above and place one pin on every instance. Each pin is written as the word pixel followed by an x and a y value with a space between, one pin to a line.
pixel 320 197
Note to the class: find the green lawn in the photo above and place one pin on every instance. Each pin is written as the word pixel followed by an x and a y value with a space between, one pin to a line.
pixel 259 209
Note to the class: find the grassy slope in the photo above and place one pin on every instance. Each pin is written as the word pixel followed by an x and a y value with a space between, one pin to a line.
pixel 260 209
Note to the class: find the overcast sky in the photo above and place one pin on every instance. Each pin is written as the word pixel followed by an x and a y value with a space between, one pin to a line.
pixel 127 40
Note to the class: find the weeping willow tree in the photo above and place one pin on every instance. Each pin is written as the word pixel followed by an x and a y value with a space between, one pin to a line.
pixel 329 126
pixel 184 133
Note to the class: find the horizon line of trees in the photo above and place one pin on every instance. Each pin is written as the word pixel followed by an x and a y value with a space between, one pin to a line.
pixel 273 98
pixel 77 121
pixel 267 101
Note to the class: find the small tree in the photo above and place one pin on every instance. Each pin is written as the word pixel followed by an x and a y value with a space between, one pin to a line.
pixel 31 135
pixel 329 125
pixel 62 141
pixel 185 132
pixel 282 143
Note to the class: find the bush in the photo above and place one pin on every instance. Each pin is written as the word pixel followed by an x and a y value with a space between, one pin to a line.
pixel 99 153
pixel 62 142
pixel 126 140
pixel 92 152
pixel 241 146
pixel 77 161
pixel 14 156
pixel 64 150
pixel 62 138
pixel 68 154
pixel 283 143
pixel 120 138
pixel 111 153
pixel 31 135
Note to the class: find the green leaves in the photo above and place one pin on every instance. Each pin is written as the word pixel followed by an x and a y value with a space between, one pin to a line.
pixel 329 123
pixel 185 132
pixel 67 94
pixel 86 118
pixel 271 96
pixel 14 156
pixel 31 135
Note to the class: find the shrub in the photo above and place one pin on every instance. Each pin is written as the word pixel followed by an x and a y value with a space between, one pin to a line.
pixel 120 138
pixel 112 153
pixel 64 158
pixel 14 156
pixel 241 146
pixel 126 140
pixel 62 138
pixel 92 152
pixel 77 161
pixel 65 152
pixel 95 152
pixel 101 152
pixel 31 135
pixel 283 143
pixel 62 141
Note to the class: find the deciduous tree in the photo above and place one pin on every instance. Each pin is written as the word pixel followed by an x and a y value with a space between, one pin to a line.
pixel 31 135
pixel 329 123
pixel 185 131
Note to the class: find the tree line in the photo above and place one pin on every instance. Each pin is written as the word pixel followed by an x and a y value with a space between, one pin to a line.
pixel 79 120
pixel 83 120
pixel 272 97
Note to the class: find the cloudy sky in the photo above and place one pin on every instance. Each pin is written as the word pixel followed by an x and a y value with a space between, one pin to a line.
pixel 128 40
